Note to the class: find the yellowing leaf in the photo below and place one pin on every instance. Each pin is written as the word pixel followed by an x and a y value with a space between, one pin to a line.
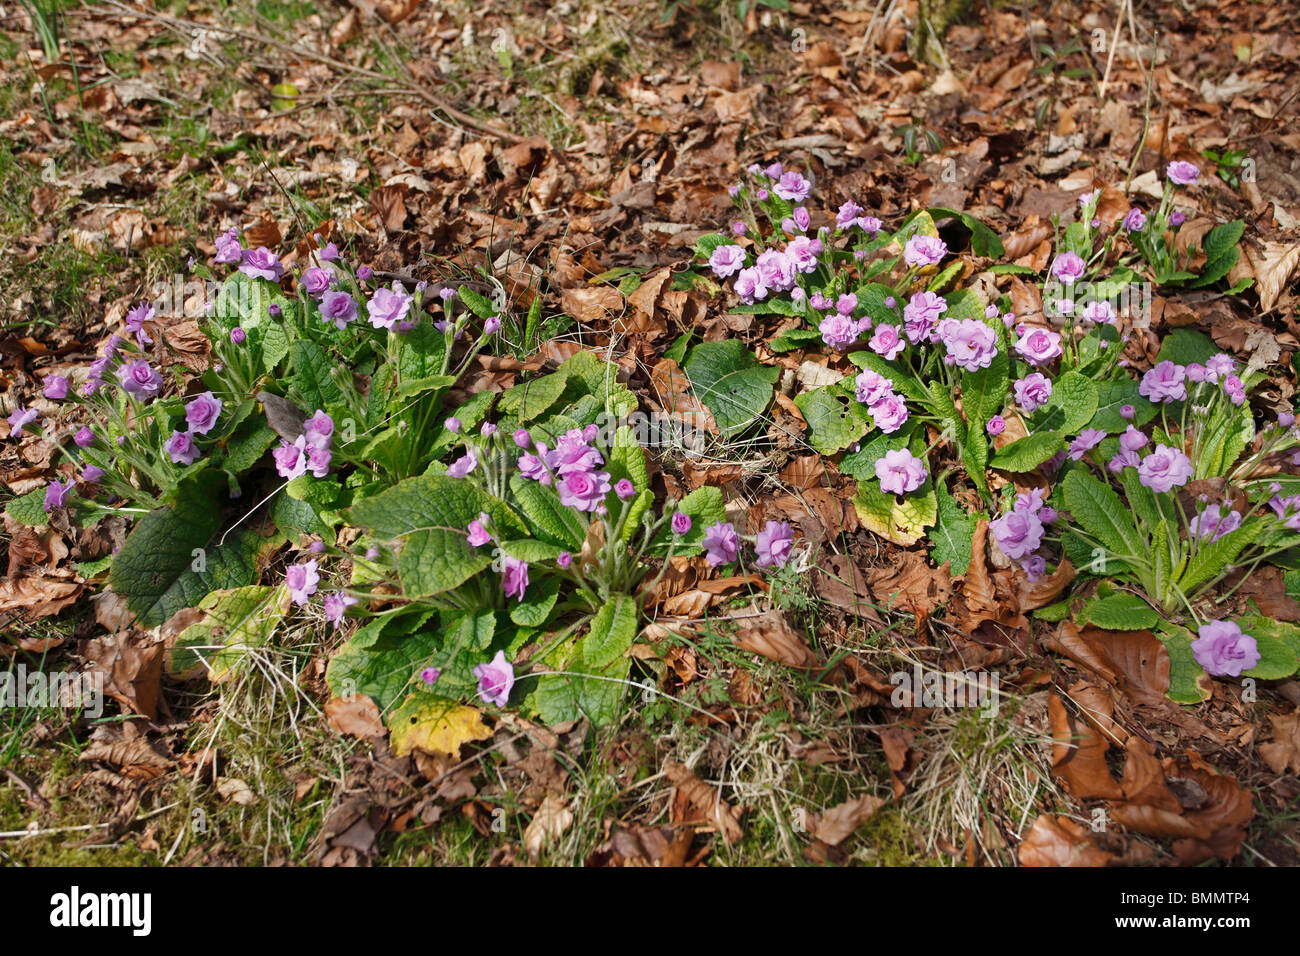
pixel 435 725
pixel 902 521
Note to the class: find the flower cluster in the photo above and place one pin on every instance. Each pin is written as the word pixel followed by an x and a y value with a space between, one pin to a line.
pixel 1019 532
pixel 572 465
pixel 773 546
pixel 888 410
pixel 308 452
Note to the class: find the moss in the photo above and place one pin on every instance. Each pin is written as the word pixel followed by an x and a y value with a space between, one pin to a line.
pixel 933 19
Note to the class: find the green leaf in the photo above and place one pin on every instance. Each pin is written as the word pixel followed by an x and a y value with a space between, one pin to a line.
pixel 173 557
pixel 1071 406
pixel 234 621
pixel 1111 397
pixel 705 245
pixel 428 514
pixel 704 506
pixel 1184 346
pixel 480 305
pixel 792 339
pixel 310 383
pixel 1100 512
pixel 385 671
pixel 531 550
pixel 984 392
pixel 539 600
pixel 294 516
pixel 549 520
pixel 1141 499
pixel 731 383
pixel 1223 439
pixel 983 240
pixel 528 400
pixel 626 459
pixel 1026 454
pixel 273 344
pixel 963 304
pixel 1221 253
pixel 1120 612
pixel 902 520
pixel 1184 671
pixel 769 307
pixel 245 450
pixel 29 509
pixel 904 382
pixel 1278 643
pixel 595 671
pixel 836 419
pixel 421 352
pixel 1053 612
pixel 412 387
pixel 951 539
pixel 1210 560
pixel 1276 660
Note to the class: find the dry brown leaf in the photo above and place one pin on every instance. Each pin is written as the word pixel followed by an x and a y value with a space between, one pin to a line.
pixel 388 203
pixel 1044 591
pixel 910 583
pixel 131 662
pixel 357 716
pixel 1079 755
pixel 835 825
pixel 706 799
pixel 552 819
pixel 645 846
pixel 236 791
pixel 37 596
pixel 134 758
pixel 592 303
pixel 644 300
pixel 772 637
pixel 1282 754
pixel 977 586
pixel 265 232
pixel 1271 267
pixel 1059 841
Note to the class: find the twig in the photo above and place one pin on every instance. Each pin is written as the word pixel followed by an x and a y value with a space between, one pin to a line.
pixel 1114 41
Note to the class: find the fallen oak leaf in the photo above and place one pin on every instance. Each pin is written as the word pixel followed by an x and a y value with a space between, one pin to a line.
pixel 771 636
pixel 1058 841
pixel 356 716
pixel 837 824
pixel 552 819
pixel 1283 752
pixel 705 799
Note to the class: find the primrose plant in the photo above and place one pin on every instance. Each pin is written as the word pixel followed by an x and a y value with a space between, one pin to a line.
pixel 534 547
pixel 1043 413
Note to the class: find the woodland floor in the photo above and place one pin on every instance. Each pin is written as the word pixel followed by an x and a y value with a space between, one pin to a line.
pixel 589 147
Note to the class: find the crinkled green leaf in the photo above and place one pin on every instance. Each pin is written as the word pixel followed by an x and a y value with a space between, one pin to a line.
pixel 1099 511
pixel 731 383
pixel 429 516
pixel 1111 397
pixel 836 419
pixel 950 541
pixel 1026 454
pixel 158 571
pixel 1120 612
